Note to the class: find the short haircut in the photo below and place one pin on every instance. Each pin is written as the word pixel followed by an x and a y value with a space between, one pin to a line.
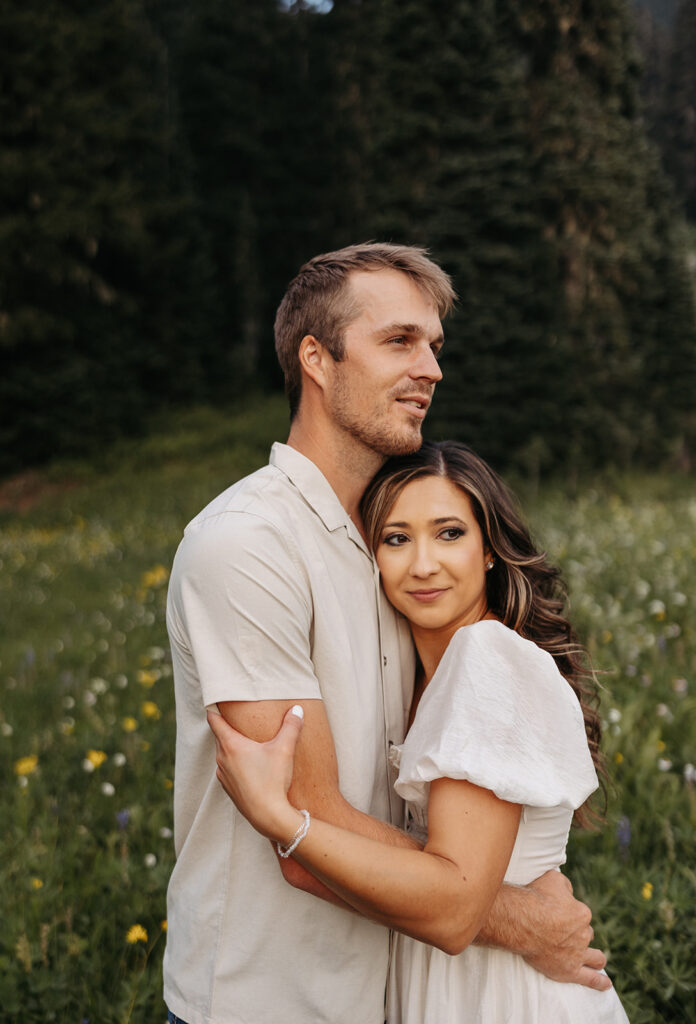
pixel 318 300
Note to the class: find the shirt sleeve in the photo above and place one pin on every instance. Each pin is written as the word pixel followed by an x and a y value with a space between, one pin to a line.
pixel 499 714
pixel 240 608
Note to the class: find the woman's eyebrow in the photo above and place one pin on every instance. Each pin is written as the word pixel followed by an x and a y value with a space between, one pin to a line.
pixel 433 522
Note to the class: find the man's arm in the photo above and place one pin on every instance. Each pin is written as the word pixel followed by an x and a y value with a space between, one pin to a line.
pixel 546 925
pixel 314 782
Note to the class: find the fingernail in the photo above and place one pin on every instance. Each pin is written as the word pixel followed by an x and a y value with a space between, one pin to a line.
pixel 298 710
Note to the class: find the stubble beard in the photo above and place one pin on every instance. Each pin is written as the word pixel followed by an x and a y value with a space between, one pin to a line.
pixel 376 433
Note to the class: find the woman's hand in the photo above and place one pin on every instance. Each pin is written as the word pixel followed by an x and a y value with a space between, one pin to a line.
pixel 257 776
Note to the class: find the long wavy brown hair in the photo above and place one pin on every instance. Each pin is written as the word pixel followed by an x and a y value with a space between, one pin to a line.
pixel 523 589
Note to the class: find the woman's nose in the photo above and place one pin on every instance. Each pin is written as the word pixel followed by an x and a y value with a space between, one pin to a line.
pixel 425 562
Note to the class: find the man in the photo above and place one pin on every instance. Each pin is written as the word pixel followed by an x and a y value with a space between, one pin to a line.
pixel 274 600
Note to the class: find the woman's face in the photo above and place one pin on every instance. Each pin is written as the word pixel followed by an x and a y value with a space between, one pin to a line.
pixel 431 556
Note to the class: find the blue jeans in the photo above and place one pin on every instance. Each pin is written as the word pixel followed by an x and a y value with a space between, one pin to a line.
pixel 173 1019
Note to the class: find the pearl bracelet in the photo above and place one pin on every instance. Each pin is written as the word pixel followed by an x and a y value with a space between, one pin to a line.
pixel 285 851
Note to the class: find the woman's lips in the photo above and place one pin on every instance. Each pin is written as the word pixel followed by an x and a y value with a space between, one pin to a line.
pixel 426 596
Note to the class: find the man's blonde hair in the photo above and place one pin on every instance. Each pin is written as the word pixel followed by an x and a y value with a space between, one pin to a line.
pixel 318 301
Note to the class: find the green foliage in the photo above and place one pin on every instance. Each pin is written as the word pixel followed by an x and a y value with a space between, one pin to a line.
pixel 627 549
pixel 86 847
pixel 86 850
pixel 678 121
pixel 167 167
pixel 97 312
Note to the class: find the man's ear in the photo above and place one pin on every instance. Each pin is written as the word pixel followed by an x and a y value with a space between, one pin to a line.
pixel 313 357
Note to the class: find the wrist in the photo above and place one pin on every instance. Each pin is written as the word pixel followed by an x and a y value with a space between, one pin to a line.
pixel 286 849
pixel 286 822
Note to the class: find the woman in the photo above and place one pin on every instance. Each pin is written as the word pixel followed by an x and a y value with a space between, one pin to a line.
pixel 502 749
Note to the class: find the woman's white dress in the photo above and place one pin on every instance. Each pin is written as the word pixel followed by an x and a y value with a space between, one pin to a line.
pixel 498 713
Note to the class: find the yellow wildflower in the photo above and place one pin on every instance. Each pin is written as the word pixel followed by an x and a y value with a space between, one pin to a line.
pixel 647 891
pixel 96 757
pixel 26 765
pixel 163 925
pixel 154 577
pixel 168 784
pixel 148 677
pixel 618 757
pixel 150 709
pixel 661 745
pixel 36 883
pixel 136 933
pixel 129 724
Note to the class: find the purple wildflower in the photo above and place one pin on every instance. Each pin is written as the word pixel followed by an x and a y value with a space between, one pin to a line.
pixel 623 834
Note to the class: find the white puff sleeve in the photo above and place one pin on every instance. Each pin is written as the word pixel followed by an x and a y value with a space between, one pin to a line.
pixel 498 713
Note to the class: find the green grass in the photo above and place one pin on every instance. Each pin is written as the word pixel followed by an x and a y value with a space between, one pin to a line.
pixel 86 849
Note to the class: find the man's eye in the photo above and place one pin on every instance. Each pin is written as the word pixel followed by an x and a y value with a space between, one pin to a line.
pixel 397 341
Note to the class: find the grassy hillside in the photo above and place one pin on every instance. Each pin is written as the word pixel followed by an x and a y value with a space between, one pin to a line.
pixel 87 719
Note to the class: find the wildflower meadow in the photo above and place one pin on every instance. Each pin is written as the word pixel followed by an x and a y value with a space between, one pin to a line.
pixel 87 716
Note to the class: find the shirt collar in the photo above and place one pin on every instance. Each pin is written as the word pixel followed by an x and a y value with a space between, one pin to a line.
pixel 315 489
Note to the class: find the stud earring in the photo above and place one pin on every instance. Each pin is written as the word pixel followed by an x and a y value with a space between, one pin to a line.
pixel 489 565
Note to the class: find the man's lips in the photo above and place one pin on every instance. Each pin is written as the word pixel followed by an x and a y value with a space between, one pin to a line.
pixel 417 404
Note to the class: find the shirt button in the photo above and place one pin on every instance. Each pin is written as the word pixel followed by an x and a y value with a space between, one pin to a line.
pixel 385 659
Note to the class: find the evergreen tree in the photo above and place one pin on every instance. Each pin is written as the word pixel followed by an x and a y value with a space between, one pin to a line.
pixel 678 116
pixel 620 273
pixel 435 139
pixel 251 81
pixel 93 316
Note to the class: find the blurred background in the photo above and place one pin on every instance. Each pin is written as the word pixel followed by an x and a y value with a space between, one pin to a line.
pixel 167 166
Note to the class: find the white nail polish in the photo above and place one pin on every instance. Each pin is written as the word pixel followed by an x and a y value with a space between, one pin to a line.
pixel 298 710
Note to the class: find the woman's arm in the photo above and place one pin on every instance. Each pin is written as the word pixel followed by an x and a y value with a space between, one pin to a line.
pixel 440 895
pixel 314 778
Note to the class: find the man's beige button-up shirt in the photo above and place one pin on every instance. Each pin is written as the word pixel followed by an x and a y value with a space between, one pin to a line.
pixel 274 595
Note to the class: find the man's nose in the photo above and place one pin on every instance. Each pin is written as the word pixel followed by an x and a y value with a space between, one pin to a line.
pixel 425 366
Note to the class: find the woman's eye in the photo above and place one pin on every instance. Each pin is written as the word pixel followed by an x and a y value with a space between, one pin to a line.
pixel 395 540
pixel 452 533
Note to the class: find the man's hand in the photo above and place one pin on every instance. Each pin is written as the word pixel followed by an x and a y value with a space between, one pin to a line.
pixel 564 937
